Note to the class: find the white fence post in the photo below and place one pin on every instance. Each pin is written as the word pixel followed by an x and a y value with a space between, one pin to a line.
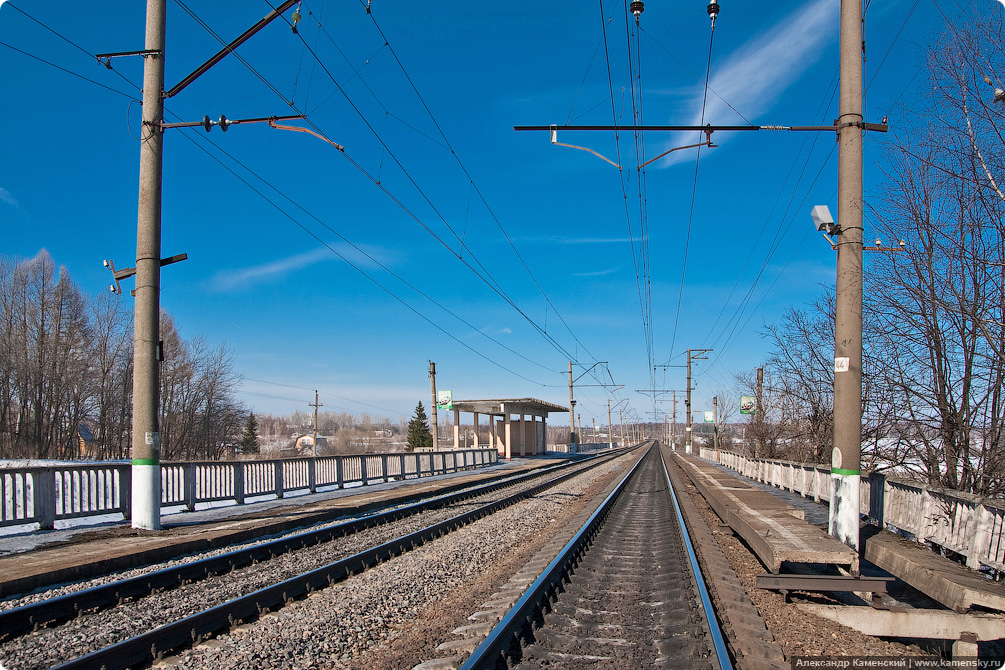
pixel 980 537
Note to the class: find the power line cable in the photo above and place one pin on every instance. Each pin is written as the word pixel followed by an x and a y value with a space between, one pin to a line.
pixel 484 275
pixel 356 267
pixel 694 192
pixel 470 179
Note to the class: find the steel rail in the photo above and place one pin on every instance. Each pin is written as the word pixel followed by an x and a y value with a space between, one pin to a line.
pixel 496 643
pixel 150 645
pixel 713 625
pixel 23 620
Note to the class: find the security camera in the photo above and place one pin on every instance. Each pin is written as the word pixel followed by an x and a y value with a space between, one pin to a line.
pixel 822 219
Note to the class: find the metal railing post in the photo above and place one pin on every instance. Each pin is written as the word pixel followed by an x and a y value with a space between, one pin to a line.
pixel 279 479
pixel 43 490
pixel 238 471
pixel 189 473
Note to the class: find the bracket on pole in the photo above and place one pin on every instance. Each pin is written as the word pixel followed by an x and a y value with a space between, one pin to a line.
pixel 707 143
pixel 554 140
pixel 126 273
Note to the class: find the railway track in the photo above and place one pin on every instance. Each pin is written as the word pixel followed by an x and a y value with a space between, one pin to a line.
pixel 238 585
pixel 624 592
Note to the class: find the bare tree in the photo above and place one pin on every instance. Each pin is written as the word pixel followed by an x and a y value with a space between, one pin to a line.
pixel 940 304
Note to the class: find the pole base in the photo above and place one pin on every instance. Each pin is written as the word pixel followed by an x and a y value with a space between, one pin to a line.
pixel 146 496
pixel 843 523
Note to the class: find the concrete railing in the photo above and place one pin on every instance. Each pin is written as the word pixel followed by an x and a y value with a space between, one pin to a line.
pixel 969 525
pixel 44 495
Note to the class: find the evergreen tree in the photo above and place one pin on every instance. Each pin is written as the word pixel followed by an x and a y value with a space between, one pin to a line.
pixel 419 436
pixel 249 440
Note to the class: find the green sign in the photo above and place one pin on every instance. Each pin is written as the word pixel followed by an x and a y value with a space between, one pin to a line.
pixel 709 417
pixel 445 400
pixel 748 404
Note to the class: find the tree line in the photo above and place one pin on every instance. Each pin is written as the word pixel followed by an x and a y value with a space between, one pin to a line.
pixel 66 374
pixel 934 313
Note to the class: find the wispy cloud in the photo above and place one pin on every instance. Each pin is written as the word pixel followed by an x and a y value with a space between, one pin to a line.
pixel 564 239
pixel 230 280
pixel 757 74
pixel 5 195
pixel 596 273
pixel 754 77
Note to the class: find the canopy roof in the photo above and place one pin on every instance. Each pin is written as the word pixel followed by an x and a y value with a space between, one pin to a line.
pixel 498 407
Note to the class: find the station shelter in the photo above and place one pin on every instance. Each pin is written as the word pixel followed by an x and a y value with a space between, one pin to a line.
pixel 517 426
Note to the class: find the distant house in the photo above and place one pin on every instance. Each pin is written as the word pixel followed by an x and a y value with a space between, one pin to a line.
pixel 382 432
pixel 304 444
pixel 87 445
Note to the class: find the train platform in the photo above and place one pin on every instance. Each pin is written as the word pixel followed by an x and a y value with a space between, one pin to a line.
pixel 43 558
pixel 775 531
pixel 944 581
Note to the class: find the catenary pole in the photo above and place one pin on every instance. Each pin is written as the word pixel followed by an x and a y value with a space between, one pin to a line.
pixel 610 428
pixel 572 415
pixel 434 427
pixel 846 455
pixel 146 469
pixel 147 347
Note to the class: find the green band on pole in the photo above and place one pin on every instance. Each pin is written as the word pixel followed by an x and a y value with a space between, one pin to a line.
pixel 834 471
pixel 146 461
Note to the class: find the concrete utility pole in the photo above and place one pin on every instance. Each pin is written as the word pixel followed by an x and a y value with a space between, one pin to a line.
pixel 610 428
pixel 715 422
pixel 147 347
pixel 845 459
pixel 572 416
pixel 315 406
pixel 673 434
pixel 759 413
pixel 621 420
pixel 146 467
pixel 434 427
pixel 692 354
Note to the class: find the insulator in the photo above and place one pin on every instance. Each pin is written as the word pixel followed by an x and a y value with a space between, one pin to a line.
pixel 206 123
pixel 713 9
pixel 637 8
pixel 224 123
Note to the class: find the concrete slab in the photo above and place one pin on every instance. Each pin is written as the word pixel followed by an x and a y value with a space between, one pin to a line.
pixel 773 529
pixel 955 586
pixel 933 624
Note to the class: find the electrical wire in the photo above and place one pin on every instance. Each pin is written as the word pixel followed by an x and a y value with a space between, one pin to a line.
pixel 74 45
pixel 69 72
pixel 484 275
pixel 470 179
pixel 825 103
pixel 481 272
pixel 694 192
pixel 326 393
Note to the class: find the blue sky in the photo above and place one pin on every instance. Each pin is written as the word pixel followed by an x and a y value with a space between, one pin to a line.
pixel 316 277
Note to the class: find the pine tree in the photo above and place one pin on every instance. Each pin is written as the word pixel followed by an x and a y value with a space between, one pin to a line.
pixel 249 440
pixel 419 436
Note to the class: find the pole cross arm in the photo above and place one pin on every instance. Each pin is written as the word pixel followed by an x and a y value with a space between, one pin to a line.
pixel 126 273
pixel 225 123
pixel 229 48
pixel 588 369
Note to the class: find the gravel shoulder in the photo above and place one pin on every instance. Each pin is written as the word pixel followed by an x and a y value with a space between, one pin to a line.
pixel 396 614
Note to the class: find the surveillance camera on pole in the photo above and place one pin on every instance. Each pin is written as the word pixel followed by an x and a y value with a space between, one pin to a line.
pixel 822 219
